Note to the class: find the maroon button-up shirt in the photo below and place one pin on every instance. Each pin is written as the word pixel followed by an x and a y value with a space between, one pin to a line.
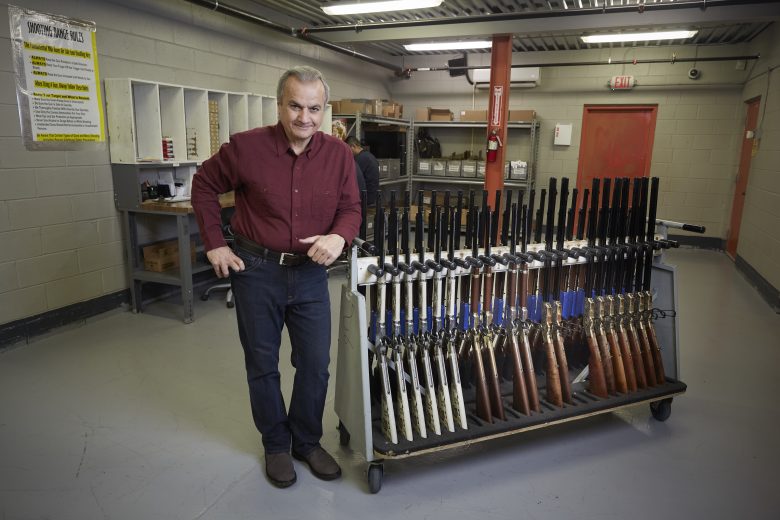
pixel 280 197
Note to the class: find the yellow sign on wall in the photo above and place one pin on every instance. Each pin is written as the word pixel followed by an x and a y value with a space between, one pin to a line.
pixel 57 80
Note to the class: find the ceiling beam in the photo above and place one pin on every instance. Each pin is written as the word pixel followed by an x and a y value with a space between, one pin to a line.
pixel 580 23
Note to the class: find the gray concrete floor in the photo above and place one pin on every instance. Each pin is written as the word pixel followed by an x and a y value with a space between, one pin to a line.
pixel 141 417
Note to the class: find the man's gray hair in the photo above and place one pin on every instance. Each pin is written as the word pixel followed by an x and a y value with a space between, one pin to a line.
pixel 303 74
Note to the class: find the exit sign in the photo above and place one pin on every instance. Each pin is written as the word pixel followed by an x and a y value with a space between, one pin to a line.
pixel 622 82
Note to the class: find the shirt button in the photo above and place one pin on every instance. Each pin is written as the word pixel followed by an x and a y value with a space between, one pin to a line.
pixel 296 190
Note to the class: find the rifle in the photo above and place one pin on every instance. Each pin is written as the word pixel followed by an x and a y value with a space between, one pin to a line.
pixel 410 352
pixel 402 399
pixel 487 336
pixel 554 389
pixel 559 256
pixel 617 306
pixel 520 400
pixel 523 329
pixel 442 389
pixel 646 298
pixel 483 400
pixel 625 302
pixel 647 259
pixel 601 337
pixel 380 342
pixel 423 339
pixel 456 389
pixel 615 254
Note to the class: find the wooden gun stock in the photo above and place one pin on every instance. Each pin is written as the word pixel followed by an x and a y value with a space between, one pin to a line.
pixel 598 382
pixel 636 355
pixel 625 348
pixel 655 347
pixel 520 400
pixel 560 354
pixel 489 342
pixel 512 347
pixel 621 385
pixel 483 399
pixel 554 393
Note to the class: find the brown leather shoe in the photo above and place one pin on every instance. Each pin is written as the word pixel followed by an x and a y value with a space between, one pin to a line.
pixel 279 468
pixel 322 465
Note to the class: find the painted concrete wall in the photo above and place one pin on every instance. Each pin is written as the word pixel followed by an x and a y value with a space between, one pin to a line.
pixel 60 236
pixel 697 134
pixel 759 238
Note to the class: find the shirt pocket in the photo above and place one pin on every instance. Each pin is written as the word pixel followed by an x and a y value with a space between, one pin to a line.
pixel 323 206
pixel 268 200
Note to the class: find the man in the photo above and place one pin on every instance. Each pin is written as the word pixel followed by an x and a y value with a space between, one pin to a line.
pixel 297 205
pixel 368 164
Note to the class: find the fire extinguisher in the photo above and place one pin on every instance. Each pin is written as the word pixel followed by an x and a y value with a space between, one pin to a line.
pixel 493 143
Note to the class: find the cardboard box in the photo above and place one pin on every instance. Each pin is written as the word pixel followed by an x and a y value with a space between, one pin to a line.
pixel 346 106
pixel 481 169
pixel 522 115
pixel 439 114
pixel 162 256
pixel 421 114
pixel 473 115
pixel 392 109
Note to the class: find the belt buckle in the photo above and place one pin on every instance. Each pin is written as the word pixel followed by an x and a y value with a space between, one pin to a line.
pixel 281 257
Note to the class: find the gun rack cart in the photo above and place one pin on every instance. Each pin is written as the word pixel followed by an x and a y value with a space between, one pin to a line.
pixel 360 414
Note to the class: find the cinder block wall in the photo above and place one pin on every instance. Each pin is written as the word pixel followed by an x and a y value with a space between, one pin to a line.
pixel 759 239
pixel 60 236
pixel 698 129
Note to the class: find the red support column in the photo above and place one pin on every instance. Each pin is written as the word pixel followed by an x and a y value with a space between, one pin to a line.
pixel 498 107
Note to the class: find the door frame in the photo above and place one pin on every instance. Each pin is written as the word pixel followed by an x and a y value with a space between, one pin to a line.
pixel 732 236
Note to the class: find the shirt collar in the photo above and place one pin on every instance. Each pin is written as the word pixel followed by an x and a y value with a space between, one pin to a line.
pixel 283 146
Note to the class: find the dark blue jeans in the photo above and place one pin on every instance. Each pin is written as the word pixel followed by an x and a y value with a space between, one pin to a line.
pixel 268 297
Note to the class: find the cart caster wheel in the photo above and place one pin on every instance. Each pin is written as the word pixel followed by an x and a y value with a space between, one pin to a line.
pixel 661 410
pixel 230 305
pixel 375 473
pixel 204 297
pixel 344 435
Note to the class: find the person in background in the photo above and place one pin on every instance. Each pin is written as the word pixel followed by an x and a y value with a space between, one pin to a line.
pixel 369 166
pixel 296 207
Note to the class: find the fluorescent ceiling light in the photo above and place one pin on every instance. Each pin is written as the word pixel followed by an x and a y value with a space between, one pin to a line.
pixel 448 46
pixel 378 7
pixel 638 37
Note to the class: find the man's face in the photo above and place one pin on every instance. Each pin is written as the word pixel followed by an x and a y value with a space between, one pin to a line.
pixel 355 149
pixel 301 109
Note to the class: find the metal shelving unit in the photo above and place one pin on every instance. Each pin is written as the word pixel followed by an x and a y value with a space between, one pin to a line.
pixel 533 133
pixel 358 128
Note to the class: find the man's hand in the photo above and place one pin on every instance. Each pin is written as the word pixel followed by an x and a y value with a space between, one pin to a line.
pixel 223 259
pixel 325 249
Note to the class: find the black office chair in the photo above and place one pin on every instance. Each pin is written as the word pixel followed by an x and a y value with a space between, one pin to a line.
pixel 229 237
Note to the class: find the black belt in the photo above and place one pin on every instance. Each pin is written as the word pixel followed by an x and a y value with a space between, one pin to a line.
pixel 286 259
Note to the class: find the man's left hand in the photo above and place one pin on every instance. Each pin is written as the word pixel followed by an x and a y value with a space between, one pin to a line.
pixel 325 249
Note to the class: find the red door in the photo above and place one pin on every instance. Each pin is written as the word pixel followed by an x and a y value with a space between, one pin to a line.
pixel 742 176
pixel 617 141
